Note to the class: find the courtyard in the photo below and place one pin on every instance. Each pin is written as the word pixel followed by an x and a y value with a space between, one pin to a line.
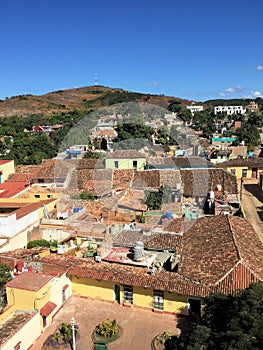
pixel 139 326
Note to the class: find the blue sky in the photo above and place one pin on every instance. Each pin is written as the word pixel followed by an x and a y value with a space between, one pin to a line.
pixel 196 50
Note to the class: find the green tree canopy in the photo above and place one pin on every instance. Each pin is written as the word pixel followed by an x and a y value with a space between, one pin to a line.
pixel 229 323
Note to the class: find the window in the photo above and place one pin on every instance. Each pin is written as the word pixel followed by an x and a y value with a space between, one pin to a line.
pixel 116 164
pixel 158 298
pixel 37 195
pixel 233 171
pixel 134 164
pixel 128 294
pixel 244 172
pixel 49 196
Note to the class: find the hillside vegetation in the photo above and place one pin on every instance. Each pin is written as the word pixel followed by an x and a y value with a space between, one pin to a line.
pixel 83 99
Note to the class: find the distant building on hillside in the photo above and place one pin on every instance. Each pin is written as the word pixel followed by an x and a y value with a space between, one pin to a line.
pixel 229 110
pixel 195 109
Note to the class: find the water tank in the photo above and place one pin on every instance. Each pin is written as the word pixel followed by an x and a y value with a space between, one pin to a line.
pixel 75 210
pixel 137 253
pixel 168 215
pixel 139 244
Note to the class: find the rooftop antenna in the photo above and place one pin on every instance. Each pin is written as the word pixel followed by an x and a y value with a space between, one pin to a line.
pixel 96 80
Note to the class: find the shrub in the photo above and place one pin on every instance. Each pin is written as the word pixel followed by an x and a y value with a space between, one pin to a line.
pixel 38 243
pixel 107 328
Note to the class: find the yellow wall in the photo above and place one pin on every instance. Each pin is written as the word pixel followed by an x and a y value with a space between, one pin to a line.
pixel 93 288
pixel 175 303
pixel 125 163
pixel 239 171
pixel 142 297
pixel 33 195
pixel 7 169
pixel 26 299
pixel 50 206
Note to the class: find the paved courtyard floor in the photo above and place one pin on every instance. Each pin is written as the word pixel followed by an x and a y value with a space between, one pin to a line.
pixel 139 326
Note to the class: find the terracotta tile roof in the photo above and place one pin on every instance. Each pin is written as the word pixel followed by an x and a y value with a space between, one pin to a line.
pixel 128 238
pixel 248 244
pixel 146 179
pixel 3 161
pixel 122 179
pixel 125 154
pixel 30 207
pixel 170 177
pixel 197 182
pixel 54 168
pixel 29 281
pixel 219 254
pixel 174 225
pixel 215 245
pixel 47 308
pixel 133 199
pixel 191 162
pixel 251 162
pixel 24 173
pixel 179 162
pixel 97 181
pixel 10 189
pixel 90 163
pixel 156 162
pixel 139 276
pixel 165 241
pixel 14 324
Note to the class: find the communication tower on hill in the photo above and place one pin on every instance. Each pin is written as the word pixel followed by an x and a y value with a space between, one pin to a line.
pixel 96 80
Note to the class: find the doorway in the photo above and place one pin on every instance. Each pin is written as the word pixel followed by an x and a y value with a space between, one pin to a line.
pixel 117 293
pixel 194 306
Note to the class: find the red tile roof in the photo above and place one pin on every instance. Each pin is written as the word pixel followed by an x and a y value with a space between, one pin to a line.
pixel 218 254
pixel 10 189
pixel 3 161
pixel 29 281
pixel 47 308
pixel 125 154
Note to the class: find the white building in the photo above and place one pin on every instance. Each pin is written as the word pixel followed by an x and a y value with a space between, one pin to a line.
pixel 229 110
pixel 195 109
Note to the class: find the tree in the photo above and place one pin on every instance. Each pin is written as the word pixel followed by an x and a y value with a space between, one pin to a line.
pixel 5 274
pixel 91 154
pixel 229 322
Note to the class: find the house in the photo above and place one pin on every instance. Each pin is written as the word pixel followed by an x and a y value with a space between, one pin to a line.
pixel 252 107
pixel 33 300
pixel 6 168
pixel 195 108
pixel 18 216
pixel 125 159
pixel 250 167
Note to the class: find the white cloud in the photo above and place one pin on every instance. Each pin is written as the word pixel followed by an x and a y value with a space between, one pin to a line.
pixel 231 90
pixel 255 94
pixel 152 83
pixel 259 67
